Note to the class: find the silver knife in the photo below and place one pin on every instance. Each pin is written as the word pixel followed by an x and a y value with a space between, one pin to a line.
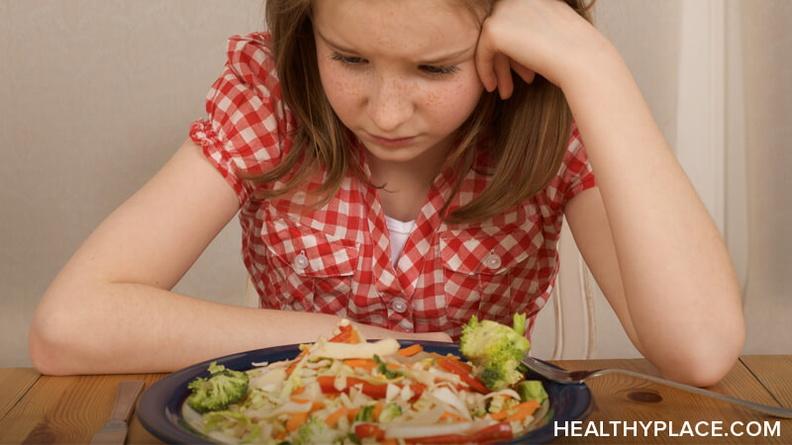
pixel 114 432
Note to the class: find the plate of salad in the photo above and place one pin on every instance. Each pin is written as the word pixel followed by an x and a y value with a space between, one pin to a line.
pixel 347 389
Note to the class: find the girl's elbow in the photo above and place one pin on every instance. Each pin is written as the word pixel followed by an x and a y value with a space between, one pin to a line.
pixel 708 363
pixel 50 337
pixel 43 351
pixel 704 374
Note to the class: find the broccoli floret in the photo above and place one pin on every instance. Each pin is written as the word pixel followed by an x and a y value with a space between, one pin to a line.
pixel 531 390
pixel 495 350
pixel 314 431
pixel 390 412
pixel 222 388
pixel 501 403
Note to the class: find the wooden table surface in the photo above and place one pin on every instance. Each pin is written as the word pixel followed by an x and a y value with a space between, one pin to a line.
pixel 37 409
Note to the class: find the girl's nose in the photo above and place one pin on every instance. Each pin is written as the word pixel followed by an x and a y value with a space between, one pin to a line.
pixel 390 105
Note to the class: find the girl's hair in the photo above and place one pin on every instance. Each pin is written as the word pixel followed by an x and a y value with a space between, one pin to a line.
pixel 527 134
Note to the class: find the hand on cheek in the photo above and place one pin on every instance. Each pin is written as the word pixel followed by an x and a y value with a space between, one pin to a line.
pixel 495 68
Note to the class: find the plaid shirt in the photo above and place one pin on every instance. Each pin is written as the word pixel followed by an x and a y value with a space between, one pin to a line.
pixel 335 259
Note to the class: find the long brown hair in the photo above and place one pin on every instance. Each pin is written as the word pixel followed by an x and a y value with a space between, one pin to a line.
pixel 527 134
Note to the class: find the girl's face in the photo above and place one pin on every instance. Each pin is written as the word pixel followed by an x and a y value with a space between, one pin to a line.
pixel 398 69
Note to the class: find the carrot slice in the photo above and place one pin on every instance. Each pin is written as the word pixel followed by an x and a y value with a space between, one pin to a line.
pixel 411 350
pixel 336 415
pixel 453 417
pixel 351 413
pixel 364 363
pixel 378 409
pixel 500 415
pixel 523 410
pixel 295 420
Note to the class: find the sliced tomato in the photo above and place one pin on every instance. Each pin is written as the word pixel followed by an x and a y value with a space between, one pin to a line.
pixel 456 367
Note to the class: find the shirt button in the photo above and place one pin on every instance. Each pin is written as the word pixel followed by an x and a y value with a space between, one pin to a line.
pixel 301 262
pixel 399 305
pixel 492 261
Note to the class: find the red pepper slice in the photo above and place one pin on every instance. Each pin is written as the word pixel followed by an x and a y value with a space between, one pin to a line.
pixel 459 368
pixel 347 335
pixel 363 430
pixel 417 389
pixel 327 384
pixel 498 431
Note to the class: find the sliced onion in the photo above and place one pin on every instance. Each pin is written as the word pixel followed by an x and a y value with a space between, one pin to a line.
pixel 291 407
pixel 504 392
pixel 342 351
pixel 446 396
pixel 391 392
pixel 407 393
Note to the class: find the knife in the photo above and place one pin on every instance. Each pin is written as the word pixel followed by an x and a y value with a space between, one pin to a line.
pixel 114 432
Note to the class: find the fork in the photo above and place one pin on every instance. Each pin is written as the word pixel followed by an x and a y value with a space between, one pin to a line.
pixel 565 377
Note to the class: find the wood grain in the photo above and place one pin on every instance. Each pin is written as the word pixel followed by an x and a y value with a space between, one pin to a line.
pixel 627 398
pixel 14 383
pixel 65 409
pixel 775 373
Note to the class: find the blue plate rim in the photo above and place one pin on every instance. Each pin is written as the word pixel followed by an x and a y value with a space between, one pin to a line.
pixel 155 411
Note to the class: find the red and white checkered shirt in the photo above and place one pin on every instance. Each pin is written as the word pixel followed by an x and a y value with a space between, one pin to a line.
pixel 335 259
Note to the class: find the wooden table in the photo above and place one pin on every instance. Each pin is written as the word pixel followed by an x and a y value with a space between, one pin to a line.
pixel 40 409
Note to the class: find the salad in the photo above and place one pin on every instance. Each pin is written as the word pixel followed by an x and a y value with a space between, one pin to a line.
pixel 346 390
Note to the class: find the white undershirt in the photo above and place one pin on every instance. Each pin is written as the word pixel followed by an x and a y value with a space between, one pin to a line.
pixel 399 232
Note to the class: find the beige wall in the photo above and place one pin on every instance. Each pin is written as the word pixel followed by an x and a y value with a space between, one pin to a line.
pixel 767 70
pixel 96 94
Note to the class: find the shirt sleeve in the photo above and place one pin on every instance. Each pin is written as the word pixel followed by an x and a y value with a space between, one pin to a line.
pixel 247 126
pixel 574 176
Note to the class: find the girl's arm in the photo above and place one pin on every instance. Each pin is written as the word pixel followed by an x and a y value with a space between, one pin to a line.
pixel 644 232
pixel 110 309
pixel 680 288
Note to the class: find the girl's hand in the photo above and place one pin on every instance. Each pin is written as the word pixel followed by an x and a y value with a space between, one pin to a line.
pixel 534 36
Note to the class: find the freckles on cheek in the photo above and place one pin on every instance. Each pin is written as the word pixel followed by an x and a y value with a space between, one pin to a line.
pixel 453 103
pixel 340 89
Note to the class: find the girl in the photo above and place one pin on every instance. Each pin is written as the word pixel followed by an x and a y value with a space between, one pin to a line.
pixel 404 164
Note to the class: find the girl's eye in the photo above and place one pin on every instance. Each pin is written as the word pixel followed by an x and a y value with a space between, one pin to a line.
pixel 440 70
pixel 346 59
pixel 429 69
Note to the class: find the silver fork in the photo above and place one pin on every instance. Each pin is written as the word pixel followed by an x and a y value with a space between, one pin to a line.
pixel 574 377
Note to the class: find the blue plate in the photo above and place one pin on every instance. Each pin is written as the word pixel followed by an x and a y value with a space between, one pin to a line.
pixel 159 409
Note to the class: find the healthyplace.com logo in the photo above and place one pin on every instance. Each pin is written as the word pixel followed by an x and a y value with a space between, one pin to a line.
pixel 670 428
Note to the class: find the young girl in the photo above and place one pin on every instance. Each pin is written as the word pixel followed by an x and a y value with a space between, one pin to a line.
pixel 405 164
